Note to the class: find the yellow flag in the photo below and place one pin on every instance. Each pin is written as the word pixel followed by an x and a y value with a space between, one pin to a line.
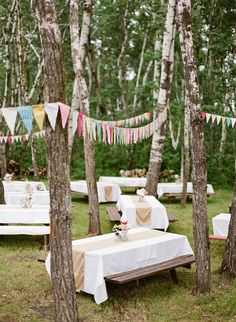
pixel 223 119
pixel 39 114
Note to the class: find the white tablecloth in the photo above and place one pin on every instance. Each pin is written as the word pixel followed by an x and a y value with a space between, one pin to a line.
pixel 159 218
pixel 126 256
pixel 125 181
pixel 38 198
pixel 81 187
pixel 16 214
pixel 221 224
pixel 19 186
pixel 174 187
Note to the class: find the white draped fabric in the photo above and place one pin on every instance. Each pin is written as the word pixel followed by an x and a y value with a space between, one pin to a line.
pixel 125 181
pixel 221 224
pixel 126 256
pixel 159 218
pixel 175 187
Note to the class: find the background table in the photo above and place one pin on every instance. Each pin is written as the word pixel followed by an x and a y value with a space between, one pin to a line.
pixel 176 188
pixel 125 181
pixel 159 218
pixel 19 186
pixel 38 198
pixel 80 186
pixel 126 256
pixel 221 224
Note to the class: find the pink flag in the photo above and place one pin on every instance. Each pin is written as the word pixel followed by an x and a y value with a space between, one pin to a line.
pixel 203 115
pixel 80 124
pixel 65 111
pixel 213 117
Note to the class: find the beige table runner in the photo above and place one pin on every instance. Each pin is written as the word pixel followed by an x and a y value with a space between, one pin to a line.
pixel 78 251
pixel 143 211
pixel 108 193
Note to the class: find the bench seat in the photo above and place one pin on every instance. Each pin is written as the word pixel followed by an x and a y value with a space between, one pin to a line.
pixel 136 274
pixel 24 230
pixel 114 215
pixel 215 237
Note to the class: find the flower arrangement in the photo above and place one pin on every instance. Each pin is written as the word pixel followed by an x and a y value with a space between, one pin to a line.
pixel 121 231
pixel 141 193
pixel 8 177
pixel 26 202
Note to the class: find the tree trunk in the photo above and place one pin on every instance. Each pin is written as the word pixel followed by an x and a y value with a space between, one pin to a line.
pixel 223 134
pixel 186 161
pixel 158 139
pixel 63 283
pixel 2 199
pixel 78 48
pixel 228 266
pixel 199 175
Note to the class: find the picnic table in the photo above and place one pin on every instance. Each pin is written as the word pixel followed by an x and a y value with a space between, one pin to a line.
pixel 38 198
pixel 134 182
pixel 99 259
pixel 175 188
pixel 149 212
pixel 20 186
pixel 107 192
pixel 221 224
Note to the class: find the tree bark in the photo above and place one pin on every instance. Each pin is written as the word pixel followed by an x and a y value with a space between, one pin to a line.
pixel 78 48
pixel 186 160
pixel 158 139
pixel 63 283
pixel 199 175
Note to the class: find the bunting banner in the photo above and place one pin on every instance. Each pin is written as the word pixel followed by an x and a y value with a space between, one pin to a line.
pixel 65 111
pixel 21 137
pixel 51 110
pixel 103 131
pixel 130 121
pixel 224 120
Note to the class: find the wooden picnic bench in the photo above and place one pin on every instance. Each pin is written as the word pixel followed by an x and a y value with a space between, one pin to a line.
pixel 16 225
pixel 172 196
pixel 136 274
pixel 215 237
pixel 114 215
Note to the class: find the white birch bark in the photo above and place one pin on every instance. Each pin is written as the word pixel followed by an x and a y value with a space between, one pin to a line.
pixel 78 48
pixel 120 60
pixel 158 139
pixel 223 132
pixel 199 174
pixel 139 71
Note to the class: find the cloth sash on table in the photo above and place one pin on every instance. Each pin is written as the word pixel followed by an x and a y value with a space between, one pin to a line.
pixel 78 251
pixel 108 193
pixel 143 211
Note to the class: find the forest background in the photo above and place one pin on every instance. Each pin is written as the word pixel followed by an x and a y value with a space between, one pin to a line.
pixel 120 67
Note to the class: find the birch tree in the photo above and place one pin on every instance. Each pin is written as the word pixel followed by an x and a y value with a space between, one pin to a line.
pixel 78 48
pixel 199 175
pixel 158 139
pixel 63 283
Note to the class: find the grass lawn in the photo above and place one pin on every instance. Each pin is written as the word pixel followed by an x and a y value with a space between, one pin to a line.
pixel 25 288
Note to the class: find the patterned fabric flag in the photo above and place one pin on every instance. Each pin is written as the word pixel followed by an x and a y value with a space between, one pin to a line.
pixel 208 117
pixel 65 111
pixel 218 119
pixel 213 117
pixel 26 114
pixel 74 121
pixel 10 114
pixel 39 115
pixel 52 111
pixel 228 121
pixel 233 120
pixel 223 119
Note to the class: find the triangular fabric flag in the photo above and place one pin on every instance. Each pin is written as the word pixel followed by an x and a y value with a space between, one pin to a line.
pixel 233 120
pixel 39 115
pixel 218 119
pixel 213 117
pixel 74 121
pixel 26 114
pixel 65 111
pixel 223 119
pixel 208 117
pixel 1 139
pixel 51 110
pixel 203 115
pixel 10 114
pixel 228 120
